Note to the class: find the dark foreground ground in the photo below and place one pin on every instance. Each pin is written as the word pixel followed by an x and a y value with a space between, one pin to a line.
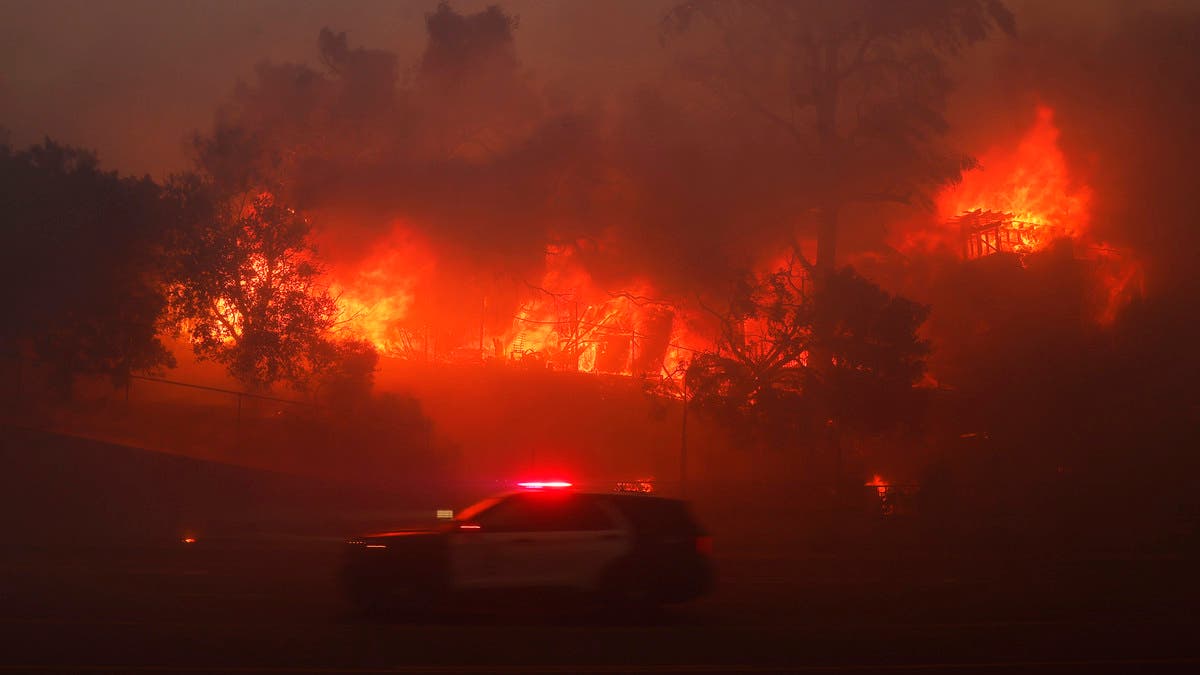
pixel 267 601
pixel 274 608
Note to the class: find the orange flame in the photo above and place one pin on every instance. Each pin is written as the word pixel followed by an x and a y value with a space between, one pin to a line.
pixel 880 485
pixel 564 321
pixel 1031 182
pixel 570 324
pixel 376 296
pixel 1022 199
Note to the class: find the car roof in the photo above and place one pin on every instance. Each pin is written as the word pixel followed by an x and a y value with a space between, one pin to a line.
pixel 613 494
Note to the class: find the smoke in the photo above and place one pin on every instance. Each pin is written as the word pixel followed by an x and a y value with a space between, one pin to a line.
pixel 485 163
pixel 452 183
pixel 472 138
pixel 449 175
pixel 445 153
pixel 1124 84
pixel 1133 97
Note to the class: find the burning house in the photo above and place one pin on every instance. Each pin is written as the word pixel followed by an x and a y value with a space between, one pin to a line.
pixel 988 232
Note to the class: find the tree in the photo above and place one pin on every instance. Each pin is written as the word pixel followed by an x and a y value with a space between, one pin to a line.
pixel 877 354
pixel 340 373
pixel 472 96
pixel 248 286
pixel 761 378
pixel 278 129
pixel 80 271
pixel 856 87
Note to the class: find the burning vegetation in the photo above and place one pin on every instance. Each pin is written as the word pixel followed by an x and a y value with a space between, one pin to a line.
pixel 562 322
pixel 1022 200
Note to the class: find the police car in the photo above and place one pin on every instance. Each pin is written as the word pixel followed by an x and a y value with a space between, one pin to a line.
pixel 623 546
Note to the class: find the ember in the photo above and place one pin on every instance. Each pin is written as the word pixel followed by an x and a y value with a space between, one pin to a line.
pixel 895 499
pixel 879 484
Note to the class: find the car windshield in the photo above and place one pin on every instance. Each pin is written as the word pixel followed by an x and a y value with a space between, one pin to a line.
pixel 471 512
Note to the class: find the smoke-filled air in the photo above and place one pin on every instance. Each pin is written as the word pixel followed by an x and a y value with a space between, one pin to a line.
pixel 933 257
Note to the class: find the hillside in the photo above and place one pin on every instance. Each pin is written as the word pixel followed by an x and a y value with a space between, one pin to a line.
pixel 60 490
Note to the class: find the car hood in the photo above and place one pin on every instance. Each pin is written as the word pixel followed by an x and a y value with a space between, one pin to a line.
pixel 401 533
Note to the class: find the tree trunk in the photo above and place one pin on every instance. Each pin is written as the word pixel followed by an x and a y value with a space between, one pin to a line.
pixel 826 107
pixel 827 235
pixel 820 357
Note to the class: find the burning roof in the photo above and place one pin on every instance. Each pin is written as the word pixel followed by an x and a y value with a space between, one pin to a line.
pixel 1022 199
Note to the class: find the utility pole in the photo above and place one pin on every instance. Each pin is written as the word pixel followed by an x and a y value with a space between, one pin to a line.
pixel 237 428
pixel 632 352
pixel 683 443
pixel 574 331
pixel 482 320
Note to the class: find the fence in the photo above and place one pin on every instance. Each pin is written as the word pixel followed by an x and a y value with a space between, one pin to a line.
pixel 209 422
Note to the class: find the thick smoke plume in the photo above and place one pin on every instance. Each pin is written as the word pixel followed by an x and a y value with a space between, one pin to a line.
pixel 458 170
pixel 453 182
pixel 451 176
pixel 1124 89
pixel 443 150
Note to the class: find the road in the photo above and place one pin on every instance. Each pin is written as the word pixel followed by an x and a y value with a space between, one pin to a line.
pixel 271 605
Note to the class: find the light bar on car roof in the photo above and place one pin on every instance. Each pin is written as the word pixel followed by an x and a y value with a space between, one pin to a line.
pixel 641 485
pixel 539 485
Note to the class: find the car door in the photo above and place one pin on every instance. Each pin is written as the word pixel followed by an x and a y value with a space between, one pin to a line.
pixel 537 539
pixel 589 536
pixel 472 562
pixel 504 546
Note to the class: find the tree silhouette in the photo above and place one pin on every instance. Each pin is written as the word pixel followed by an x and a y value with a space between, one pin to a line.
pixel 248 286
pixel 856 87
pixel 80 270
pixel 756 378
pixel 760 377
pixel 340 373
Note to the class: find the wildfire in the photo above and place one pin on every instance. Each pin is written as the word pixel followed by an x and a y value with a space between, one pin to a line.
pixel 562 321
pixel 1028 188
pixel 880 485
pixel 375 300
pixel 570 324
pixel 1021 200
pixel 376 296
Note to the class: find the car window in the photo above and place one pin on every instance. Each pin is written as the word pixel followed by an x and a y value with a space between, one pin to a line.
pixel 582 513
pixel 511 514
pixel 468 514
pixel 544 512
pixel 654 516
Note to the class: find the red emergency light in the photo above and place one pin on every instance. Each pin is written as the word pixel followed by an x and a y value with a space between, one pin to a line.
pixel 539 485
